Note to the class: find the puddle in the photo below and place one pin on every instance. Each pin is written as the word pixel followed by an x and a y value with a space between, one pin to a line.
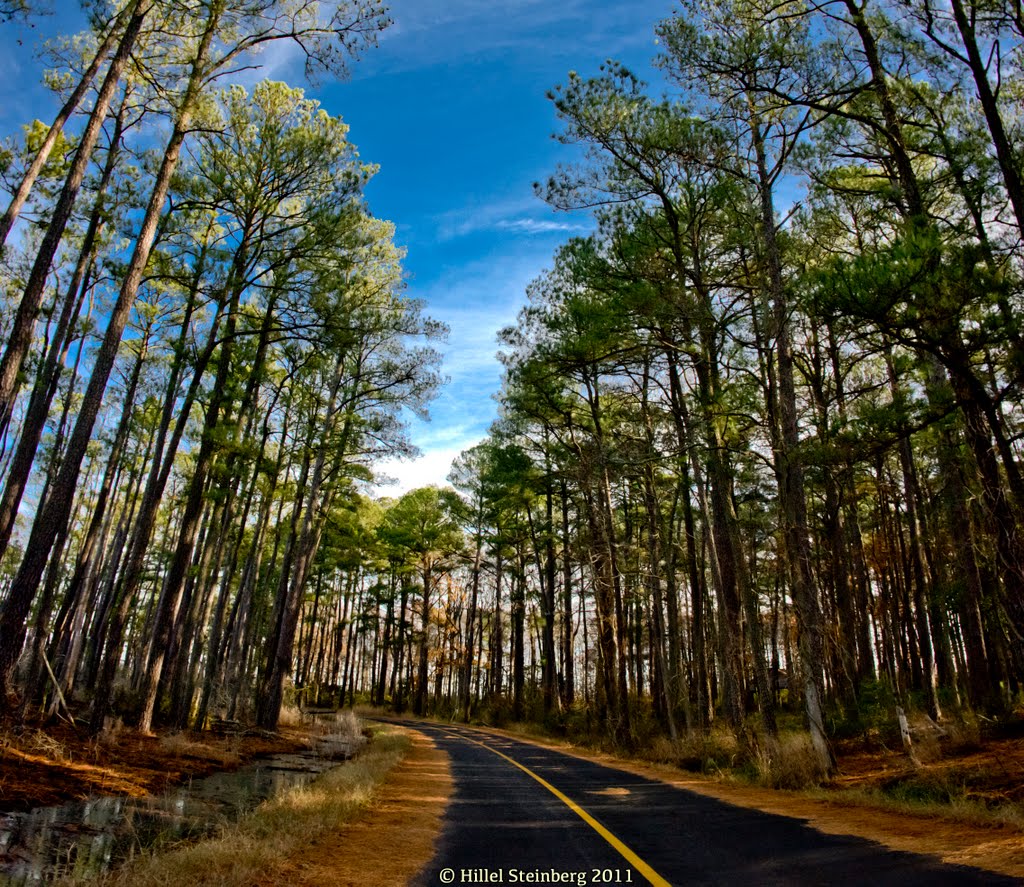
pixel 88 837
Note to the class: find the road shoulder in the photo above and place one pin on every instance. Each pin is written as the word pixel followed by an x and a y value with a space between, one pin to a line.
pixel 396 836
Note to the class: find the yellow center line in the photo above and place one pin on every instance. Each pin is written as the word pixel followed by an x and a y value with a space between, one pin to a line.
pixel 642 867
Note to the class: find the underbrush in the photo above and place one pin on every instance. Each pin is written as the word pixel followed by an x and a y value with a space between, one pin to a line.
pixel 931 796
pixel 36 742
pixel 344 723
pixel 248 851
pixel 182 745
pixel 710 753
pixel 790 762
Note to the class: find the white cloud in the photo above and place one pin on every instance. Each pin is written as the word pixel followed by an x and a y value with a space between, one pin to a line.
pixel 429 32
pixel 276 60
pixel 432 467
pixel 518 215
pixel 476 300
pixel 482 213
pixel 436 437
pixel 540 226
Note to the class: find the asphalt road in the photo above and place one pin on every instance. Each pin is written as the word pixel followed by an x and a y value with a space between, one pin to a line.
pixel 521 814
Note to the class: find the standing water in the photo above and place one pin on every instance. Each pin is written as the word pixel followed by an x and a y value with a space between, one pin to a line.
pixel 87 837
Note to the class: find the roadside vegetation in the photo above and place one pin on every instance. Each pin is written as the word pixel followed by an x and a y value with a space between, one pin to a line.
pixel 251 850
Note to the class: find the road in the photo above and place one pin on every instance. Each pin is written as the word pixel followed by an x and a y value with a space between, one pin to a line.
pixel 522 814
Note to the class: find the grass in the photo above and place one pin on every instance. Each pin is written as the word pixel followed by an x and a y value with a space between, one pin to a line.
pixel 788 763
pixel 181 745
pixel 36 742
pixel 249 851
pixel 939 799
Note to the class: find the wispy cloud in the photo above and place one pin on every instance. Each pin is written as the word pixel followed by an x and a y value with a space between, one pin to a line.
pixel 437 437
pixel 430 32
pixel 540 226
pixel 277 60
pixel 476 300
pixel 454 227
pixel 522 214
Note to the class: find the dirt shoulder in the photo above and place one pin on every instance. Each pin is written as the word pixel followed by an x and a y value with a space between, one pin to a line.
pixel 393 839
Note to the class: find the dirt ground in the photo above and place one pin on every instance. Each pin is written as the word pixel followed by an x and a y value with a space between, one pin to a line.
pixel 992 773
pixel 393 840
pixel 44 768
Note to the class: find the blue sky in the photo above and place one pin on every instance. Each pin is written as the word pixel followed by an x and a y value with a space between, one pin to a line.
pixel 452 106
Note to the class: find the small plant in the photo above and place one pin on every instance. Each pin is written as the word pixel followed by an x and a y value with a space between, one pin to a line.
pixel 963 734
pixel 291 716
pixel 347 723
pixel 110 735
pixel 698 752
pixel 789 762
pixel 923 789
pixel 39 743
pixel 871 718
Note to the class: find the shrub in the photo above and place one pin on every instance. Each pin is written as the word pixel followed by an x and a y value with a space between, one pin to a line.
pixel 790 762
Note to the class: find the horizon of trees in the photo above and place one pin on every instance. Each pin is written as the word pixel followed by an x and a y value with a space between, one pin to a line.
pixel 758 452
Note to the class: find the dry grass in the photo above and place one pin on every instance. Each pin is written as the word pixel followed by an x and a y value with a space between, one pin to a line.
pixel 246 851
pixel 954 807
pixel 714 753
pixel 37 743
pixel 345 724
pixel 182 745
pixel 291 716
pixel 790 762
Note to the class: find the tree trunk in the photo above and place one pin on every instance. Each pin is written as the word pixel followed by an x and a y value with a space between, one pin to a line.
pixel 49 374
pixel 20 337
pixel 53 518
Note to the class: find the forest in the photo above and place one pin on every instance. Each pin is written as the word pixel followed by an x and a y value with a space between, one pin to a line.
pixel 758 455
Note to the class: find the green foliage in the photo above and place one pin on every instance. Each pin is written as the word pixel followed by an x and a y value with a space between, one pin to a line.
pixel 421 529
pixel 60 155
pixel 873 717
